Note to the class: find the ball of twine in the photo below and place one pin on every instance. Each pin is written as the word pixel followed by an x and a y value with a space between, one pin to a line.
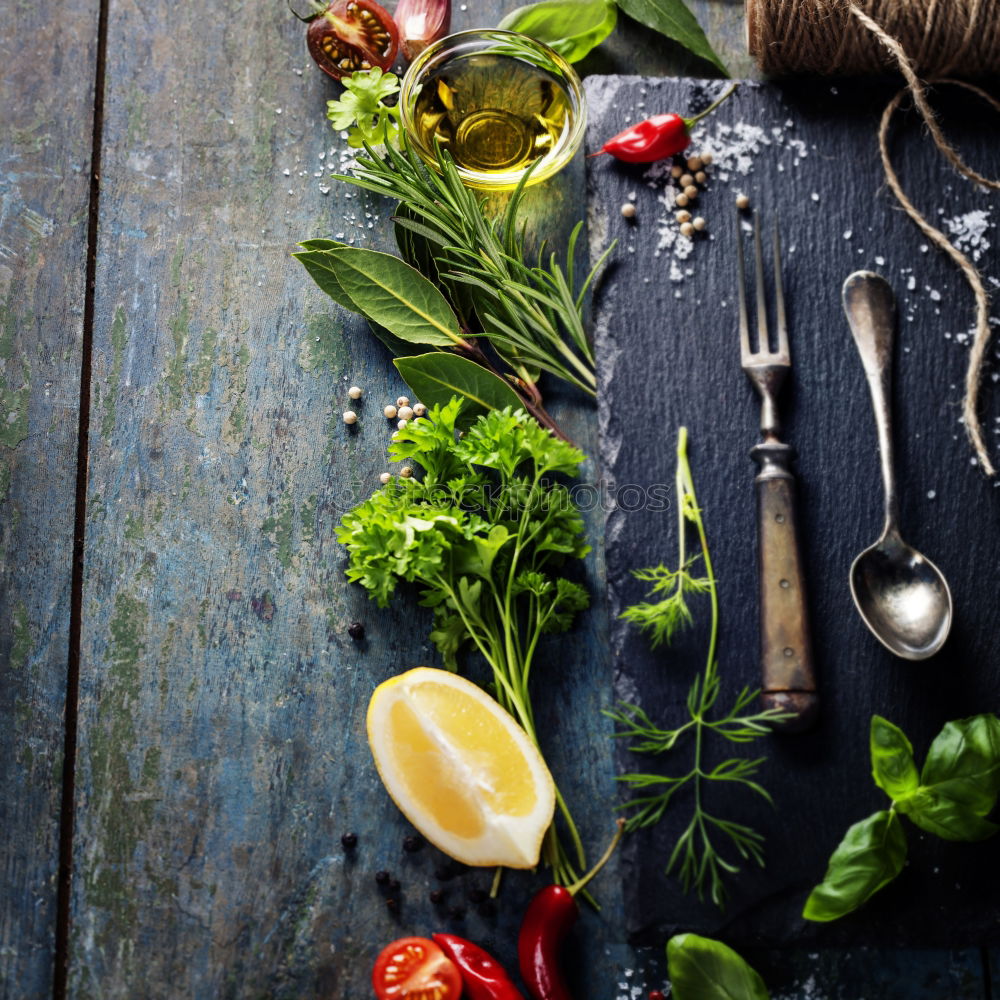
pixel 826 37
pixel 928 42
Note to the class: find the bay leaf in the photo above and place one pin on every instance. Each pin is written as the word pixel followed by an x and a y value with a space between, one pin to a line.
pixel 387 291
pixel 673 19
pixel 436 377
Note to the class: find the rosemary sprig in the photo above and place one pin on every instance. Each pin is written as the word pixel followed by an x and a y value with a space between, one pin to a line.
pixel 531 314
pixel 696 857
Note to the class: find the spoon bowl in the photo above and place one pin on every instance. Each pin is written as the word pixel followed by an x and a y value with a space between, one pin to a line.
pixel 903 598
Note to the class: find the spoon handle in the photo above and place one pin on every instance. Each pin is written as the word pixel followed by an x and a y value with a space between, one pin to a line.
pixel 871 314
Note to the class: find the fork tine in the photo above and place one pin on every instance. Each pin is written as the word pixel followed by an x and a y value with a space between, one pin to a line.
pixel 764 344
pixel 779 296
pixel 741 287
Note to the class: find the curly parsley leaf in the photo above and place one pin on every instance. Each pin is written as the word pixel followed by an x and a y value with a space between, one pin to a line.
pixel 362 111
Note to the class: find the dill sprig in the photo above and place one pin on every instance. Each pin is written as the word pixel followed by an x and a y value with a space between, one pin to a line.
pixel 531 314
pixel 696 857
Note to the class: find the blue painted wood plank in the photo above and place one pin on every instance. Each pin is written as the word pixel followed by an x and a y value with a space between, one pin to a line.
pixel 47 99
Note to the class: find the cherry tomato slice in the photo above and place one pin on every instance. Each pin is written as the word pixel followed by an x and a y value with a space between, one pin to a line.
pixel 352 35
pixel 415 968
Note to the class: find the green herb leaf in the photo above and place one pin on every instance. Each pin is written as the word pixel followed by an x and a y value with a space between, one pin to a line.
pixel 673 19
pixel 963 762
pixel 893 767
pixel 313 258
pixel 435 378
pixel 703 969
pixel 870 856
pixel 960 781
pixel 696 856
pixel 571 27
pixel 386 290
pixel 361 109
pixel 944 817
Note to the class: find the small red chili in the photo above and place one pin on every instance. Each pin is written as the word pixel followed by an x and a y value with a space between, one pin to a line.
pixel 658 137
pixel 546 923
pixel 483 976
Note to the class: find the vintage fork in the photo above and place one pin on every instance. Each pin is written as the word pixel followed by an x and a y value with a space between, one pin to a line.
pixel 788 677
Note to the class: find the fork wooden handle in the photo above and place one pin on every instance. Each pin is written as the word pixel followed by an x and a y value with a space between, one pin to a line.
pixel 789 680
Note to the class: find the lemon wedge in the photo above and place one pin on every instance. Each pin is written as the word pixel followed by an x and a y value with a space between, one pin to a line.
pixel 460 768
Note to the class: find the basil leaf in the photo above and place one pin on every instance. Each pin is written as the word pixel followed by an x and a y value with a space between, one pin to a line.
pixel 963 762
pixel 870 855
pixel 572 27
pixel 673 19
pixel 435 378
pixel 960 781
pixel 946 818
pixel 703 969
pixel 387 291
pixel 893 767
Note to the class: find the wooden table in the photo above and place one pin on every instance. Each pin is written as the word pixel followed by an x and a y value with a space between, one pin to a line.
pixel 182 706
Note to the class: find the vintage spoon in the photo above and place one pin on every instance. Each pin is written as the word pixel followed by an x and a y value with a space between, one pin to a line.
pixel 901 595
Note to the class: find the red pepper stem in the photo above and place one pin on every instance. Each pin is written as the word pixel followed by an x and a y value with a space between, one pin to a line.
pixel 601 862
pixel 689 123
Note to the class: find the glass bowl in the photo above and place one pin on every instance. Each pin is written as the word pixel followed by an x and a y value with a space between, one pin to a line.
pixel 498 102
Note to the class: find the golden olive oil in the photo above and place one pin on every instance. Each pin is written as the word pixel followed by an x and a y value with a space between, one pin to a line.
pixel 493 113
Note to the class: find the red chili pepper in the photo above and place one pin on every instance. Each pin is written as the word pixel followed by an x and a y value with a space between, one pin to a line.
pixel 656 138
pixel 546 922
pixel 484 977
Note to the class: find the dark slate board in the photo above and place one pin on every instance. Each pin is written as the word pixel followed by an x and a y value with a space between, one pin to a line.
pixel 669 355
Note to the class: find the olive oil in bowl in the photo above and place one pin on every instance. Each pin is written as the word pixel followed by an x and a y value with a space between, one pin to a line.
pixel 498 102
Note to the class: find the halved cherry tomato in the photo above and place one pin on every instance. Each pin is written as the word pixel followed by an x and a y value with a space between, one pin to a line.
pixel 352 35
pixel 415 968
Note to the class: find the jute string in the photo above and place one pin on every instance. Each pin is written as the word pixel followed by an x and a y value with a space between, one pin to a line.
pixel 926 40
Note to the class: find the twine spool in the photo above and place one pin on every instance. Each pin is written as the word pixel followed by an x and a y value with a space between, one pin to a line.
pixel 929 42
pixel 826 37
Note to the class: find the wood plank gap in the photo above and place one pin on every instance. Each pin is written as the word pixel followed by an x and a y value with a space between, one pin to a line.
pixel 61 970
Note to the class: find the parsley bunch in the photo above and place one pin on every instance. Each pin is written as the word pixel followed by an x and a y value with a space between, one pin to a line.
pixel 484 534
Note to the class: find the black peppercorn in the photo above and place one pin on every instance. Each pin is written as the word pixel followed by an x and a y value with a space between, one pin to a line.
pixel 382 877
pixel 412 843
pixel 437 896
pixel 349 840
pixel 356 631
pixel 394 886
